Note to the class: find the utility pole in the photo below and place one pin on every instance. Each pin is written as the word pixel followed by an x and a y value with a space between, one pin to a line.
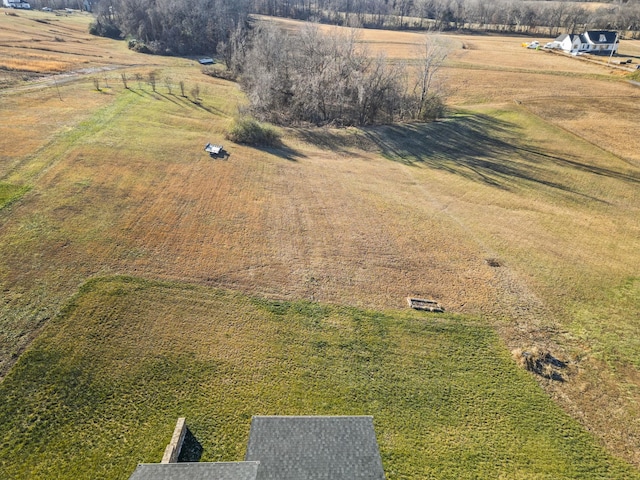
pixel 615 42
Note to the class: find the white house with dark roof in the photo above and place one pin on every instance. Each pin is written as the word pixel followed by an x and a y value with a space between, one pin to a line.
pixel 290 448
pixel 20 4
pixel 593 41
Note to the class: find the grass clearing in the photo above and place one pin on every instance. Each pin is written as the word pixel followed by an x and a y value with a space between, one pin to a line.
pixel 101 387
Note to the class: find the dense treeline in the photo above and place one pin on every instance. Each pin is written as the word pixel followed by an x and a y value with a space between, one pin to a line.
pixel 172 26
pixel 198 26
pixel 331 79
pixel 501 15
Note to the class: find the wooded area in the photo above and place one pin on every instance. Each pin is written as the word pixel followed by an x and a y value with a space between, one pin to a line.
pixel 321 79
pixel 171 27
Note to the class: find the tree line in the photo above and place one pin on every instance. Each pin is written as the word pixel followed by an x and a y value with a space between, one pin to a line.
pixel 202 26
pixel 514 16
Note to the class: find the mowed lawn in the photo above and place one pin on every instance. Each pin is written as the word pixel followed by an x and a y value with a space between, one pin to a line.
pixel 101 387
pixel 502 211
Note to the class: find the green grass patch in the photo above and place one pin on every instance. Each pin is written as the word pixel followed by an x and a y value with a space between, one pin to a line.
pixel 607 327
pixel 9 193
pixel 249 131
pixel 101 388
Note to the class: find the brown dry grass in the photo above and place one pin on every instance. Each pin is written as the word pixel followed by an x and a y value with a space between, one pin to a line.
pixel 34 43
pixel 43 42
pixel 121 185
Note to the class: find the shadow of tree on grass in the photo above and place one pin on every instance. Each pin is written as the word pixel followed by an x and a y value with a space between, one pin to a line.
pixel 283 151
pixel 336 140
pixel 480 148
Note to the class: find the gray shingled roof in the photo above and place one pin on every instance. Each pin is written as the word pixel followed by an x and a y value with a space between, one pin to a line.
pixel 315 448
pixel 609 37
pixel 196 471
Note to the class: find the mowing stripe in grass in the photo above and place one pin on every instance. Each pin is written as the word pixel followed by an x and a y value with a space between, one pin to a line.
pixel 9 193
pixel 49 154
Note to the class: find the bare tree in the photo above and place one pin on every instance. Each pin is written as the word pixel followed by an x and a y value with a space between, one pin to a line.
pixel 124 78
pixel 168 84
pixel 432 57
pixel 181 84
pixel 96 83
pixel 234 50
pixel 195 93
pixel 152 80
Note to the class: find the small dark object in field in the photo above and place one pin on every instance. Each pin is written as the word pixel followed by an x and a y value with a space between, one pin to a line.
pixel 539 361
pixel 494 262
pixel 425 305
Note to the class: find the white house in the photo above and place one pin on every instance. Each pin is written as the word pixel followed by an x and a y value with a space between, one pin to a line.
pixel 593 41
pixel 16 4
pixel 569 42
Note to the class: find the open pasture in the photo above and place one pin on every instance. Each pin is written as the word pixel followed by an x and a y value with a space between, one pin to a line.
pixel 35 43
pixel 505 210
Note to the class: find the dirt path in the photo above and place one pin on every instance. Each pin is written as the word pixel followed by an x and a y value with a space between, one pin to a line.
pixel 49 81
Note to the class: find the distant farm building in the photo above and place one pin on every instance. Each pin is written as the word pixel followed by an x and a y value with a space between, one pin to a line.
pixel 594 41
pixel 285 448
pixel 16 4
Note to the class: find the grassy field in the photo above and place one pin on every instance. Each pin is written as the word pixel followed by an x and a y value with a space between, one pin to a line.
pixel 100 389
pixel 506 212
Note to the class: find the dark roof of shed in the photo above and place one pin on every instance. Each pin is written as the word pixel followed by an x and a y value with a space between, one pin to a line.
pixel 196 471
pixel 315 448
